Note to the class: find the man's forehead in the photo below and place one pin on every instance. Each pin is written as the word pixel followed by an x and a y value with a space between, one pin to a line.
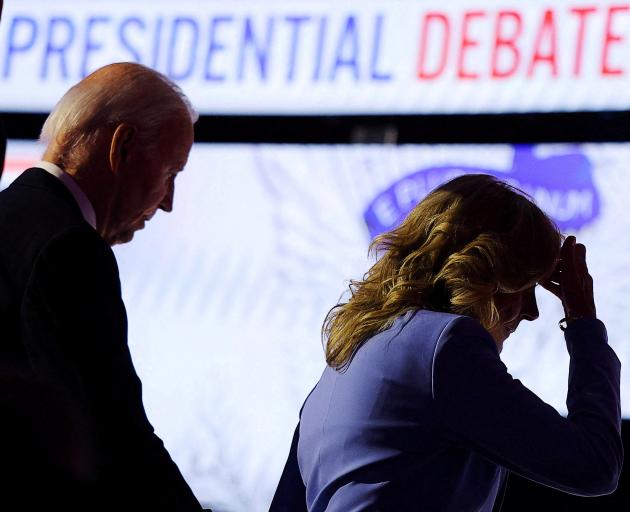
pixel 177 135
pixel 179 154
pixel 177 130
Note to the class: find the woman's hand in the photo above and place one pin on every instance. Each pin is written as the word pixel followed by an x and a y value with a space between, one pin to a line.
pixel 571 282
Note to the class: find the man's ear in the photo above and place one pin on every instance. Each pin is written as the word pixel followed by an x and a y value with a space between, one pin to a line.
pixel 121 145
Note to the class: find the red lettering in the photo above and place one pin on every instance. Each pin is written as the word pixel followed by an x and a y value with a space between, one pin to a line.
pixel 430 19
pixel 546 36
pixel 609 39
pixel 466 44
pixel 506 43
pixel 582 13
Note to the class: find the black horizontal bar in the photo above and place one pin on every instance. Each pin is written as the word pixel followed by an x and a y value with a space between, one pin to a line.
pixel 433 129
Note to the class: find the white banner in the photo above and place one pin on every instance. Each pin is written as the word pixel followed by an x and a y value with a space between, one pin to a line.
pixel 330 57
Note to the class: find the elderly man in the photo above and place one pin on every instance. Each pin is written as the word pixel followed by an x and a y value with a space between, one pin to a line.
pixel 115 143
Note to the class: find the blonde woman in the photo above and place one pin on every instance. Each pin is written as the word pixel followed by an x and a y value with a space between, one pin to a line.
pixel 415 410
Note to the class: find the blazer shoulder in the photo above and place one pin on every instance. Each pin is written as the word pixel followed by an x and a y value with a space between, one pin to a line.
pixel 37 199
pixel 76 257
pixel 77 242
pixel 460 327
pixel 462 339
pixel 441 327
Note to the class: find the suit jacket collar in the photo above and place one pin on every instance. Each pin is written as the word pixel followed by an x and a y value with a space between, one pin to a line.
pixel 79 196
pixel 43 180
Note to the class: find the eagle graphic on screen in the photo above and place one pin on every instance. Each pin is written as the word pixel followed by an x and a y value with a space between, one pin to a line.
pixel 562 185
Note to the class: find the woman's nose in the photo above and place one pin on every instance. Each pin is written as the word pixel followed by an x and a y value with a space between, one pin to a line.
pixel 529 310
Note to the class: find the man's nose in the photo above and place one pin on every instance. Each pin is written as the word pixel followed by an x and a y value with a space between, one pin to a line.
pixel 167 202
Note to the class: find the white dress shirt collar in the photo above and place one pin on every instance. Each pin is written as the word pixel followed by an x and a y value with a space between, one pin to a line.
pixel 84 203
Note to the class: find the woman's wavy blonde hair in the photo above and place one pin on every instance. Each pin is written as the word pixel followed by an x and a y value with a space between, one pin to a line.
pixel 467 240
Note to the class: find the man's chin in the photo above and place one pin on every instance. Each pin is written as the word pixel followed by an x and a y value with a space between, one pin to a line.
pixel 124 235
pixel 121 238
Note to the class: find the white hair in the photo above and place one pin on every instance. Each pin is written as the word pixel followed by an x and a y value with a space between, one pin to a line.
pixel 116 93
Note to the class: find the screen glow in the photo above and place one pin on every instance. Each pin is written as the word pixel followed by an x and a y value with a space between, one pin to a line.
pixel 226 295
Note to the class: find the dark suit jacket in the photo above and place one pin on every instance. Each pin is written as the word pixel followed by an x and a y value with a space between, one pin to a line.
pixel 66 364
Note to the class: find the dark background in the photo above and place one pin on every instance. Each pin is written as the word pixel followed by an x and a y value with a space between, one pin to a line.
pixel 578 127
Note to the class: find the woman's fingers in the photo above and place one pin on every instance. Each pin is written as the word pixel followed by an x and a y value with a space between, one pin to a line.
pixel 567 255
pixel 555 276
pixel 579 256
pixel 552 287
pixel 570 280
pixel 576 285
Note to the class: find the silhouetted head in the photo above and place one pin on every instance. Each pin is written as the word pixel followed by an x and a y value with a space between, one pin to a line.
pixel 474 246
pixel 123 133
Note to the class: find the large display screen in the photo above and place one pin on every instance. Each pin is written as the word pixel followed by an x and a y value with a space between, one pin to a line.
pixel 226 295
pixel 330 57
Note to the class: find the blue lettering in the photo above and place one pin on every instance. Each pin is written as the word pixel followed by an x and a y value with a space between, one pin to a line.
pixel 122 35
pixel 348 39
pixel 90 45
pixel 319 52
pixel 194 31
pixel 376 50
pixel 261 52
pixel 157 39
pixel 23 46
pixel 58 48
pixel 215 47
pixel 296 22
